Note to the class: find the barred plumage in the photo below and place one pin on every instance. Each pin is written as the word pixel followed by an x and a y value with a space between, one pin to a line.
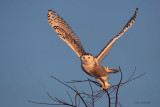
pixel 89 63
pixel 106 50
pixel 65 32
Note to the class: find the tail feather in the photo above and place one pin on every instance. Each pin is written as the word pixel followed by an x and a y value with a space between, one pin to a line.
pixel 110 70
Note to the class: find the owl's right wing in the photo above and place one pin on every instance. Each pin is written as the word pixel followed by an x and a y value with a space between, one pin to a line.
pixel 65 32
pixel 106 50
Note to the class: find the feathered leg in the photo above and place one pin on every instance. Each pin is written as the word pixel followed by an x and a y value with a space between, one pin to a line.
pixel 104 82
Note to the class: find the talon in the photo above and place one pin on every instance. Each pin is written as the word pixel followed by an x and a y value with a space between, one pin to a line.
pixel 107 86
pixel 102 88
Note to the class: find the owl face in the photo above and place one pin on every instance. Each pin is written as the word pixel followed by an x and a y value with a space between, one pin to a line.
pixel 87 59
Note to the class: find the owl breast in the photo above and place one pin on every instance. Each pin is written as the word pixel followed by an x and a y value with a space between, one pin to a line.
pixel 88 69
pixel 94 70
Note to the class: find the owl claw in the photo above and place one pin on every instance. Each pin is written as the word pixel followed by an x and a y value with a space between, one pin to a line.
pixel 107 85
pixel 102 88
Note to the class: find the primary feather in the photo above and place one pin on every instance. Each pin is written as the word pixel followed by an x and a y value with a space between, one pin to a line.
pixel 106 50
pixel 65 32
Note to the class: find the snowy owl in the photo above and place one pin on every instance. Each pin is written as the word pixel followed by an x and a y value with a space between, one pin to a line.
pixel 89 63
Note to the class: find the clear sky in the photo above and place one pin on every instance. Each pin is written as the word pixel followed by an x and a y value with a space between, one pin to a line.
pixel 31 51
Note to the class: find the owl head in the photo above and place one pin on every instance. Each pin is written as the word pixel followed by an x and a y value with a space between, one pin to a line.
pixel 87 59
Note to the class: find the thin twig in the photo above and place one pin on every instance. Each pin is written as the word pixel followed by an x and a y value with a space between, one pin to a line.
pixel 109 98
pixel 116 102
pixel 70 97
pixel 71 89
pixel 44 103
pixel 92 96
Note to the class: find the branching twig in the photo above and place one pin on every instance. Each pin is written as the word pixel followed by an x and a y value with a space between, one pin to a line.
pixel 89 99
pixel 109 98
pixel 71 89
pixel 70 97
pixel 116 102
pixel 92 96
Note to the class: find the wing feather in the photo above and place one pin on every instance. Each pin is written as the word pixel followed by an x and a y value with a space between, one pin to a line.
pixel 106 50
pixel 65 32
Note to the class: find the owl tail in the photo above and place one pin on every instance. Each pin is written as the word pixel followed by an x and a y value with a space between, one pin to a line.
pixel 110 70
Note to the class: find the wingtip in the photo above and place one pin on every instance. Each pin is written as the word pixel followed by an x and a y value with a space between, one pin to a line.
pixel 49 10
pixel 136 10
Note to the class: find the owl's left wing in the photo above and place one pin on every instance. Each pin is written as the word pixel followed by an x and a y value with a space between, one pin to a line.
pixel 106 50
pixel 65 32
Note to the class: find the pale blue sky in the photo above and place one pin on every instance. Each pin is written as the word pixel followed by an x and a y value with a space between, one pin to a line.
pixel 31 51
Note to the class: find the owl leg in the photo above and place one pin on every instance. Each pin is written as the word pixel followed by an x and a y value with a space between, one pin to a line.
pixel 104 82
pixel 110 70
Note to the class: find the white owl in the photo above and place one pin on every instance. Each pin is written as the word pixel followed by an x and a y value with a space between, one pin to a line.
pixel 89 63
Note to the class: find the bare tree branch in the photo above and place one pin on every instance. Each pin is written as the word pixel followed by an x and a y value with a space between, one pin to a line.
pixel 116 102
pixel 71 89
pixel 90 98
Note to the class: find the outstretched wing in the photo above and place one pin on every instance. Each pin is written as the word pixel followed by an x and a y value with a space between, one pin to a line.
pixel 65 32
pixel 106 50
